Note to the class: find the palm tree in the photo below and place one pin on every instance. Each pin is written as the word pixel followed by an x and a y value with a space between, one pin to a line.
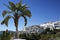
pixel 16 10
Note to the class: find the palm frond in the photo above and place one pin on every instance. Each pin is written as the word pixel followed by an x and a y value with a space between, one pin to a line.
pixel 5 12
pixel 7 6
pixel 18 5
pixel 5 21
pixel 27 13
pixel 12 5
pixel 25 20
pixel 25 6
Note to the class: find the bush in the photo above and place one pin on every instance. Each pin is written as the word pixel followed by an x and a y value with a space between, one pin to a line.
pixel 6 36
pixel 31 36
pixel 23 36
pixel 42 36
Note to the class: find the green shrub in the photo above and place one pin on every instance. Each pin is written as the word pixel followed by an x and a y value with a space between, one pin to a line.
pixel 6 35
pixel 23 36
pixel 31 36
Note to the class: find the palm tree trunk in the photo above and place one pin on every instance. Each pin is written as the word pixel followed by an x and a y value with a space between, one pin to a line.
pixel 16 24
pixel 17 34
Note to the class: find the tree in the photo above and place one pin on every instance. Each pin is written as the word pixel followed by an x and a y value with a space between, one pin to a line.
pixel 17 10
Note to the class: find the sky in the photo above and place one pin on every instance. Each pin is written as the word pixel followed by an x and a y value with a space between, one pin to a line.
pixel 42 11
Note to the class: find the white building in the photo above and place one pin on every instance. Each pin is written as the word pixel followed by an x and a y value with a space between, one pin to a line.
pixel 41 27
pixel 51 25
pixel 34 29
pixel 57 24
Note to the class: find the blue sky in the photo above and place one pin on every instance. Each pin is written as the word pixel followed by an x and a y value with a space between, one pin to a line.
pixel 42 11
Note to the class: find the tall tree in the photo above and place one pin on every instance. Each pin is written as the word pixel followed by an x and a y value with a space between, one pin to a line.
pixel 17 10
